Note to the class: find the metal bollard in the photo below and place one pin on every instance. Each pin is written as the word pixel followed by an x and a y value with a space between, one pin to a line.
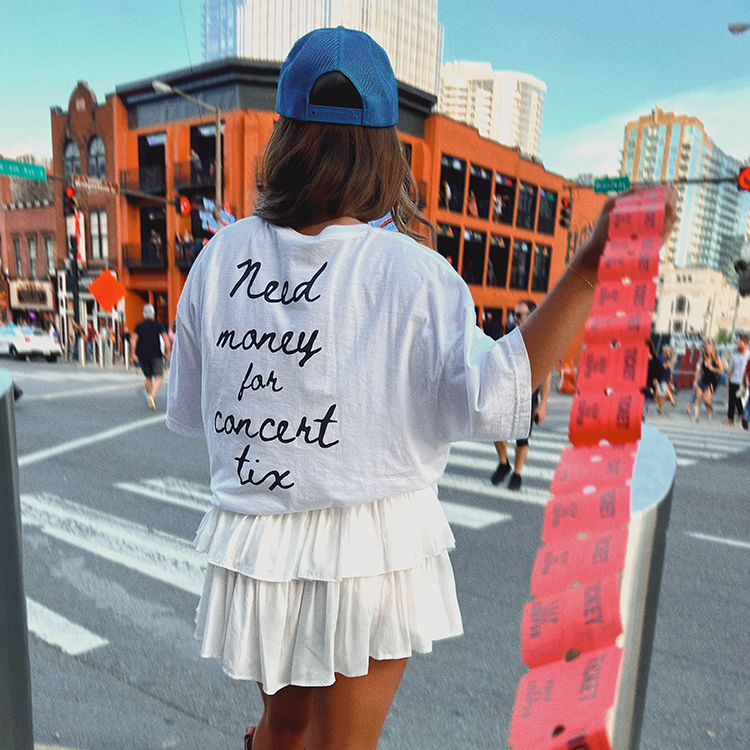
pixel 16 730
pixel 651 504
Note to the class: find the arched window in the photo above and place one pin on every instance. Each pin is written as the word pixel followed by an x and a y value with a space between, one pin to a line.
pixel 96 158
pixel 71 160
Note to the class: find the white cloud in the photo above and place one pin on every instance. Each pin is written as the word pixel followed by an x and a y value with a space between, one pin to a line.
pixel 596 147
pixel 41 148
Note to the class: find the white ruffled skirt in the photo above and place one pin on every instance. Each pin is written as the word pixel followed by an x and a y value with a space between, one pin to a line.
pixel 296 598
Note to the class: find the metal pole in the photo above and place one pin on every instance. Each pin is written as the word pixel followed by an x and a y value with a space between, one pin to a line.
pixel 217 171
pixel 16 729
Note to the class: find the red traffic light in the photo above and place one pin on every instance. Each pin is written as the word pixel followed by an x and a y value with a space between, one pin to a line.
pixel 183 205
pixel 70 202
pixel 566 212
pixel 743 179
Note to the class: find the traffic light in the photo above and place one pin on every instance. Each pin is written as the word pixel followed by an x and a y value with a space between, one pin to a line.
pixel 566 212
pixel 182 205
pixel 70 205
pixel 743 179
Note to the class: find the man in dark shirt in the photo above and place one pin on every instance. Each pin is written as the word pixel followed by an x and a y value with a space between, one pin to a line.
pixel 146 340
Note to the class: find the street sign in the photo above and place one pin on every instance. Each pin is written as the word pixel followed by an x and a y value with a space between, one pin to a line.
pixel 92 185
pixel 611 184
pixel 24 171
pixel 107 290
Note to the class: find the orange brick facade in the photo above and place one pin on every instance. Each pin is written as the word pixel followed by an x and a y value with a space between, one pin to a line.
pixel 496 213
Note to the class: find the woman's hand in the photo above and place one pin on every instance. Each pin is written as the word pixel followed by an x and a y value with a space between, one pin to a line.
pixel 586 260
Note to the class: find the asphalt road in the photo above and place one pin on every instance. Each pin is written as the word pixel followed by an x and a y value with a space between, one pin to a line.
pixel 111 500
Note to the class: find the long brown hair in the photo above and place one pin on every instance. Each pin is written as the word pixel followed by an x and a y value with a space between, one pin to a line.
pixel 314 172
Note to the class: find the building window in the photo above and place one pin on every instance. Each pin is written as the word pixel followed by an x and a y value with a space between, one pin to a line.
pixel 96 159
pixel 49 251
pixel 99 239
pixel 547 211
pixel 447 243
pixel 452 175
pixel 680 305
pixel 151 149
pixel 526 206
pixel 32 256
pixel 17 254
pixel 497 268
pixel 71 160
pixel 505 199
pixel 480 187
pixel 540 272
pixel 520 265
pixel 472 268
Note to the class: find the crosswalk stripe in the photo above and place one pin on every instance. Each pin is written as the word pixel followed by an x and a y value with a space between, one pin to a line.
pixel 157 493
pixel 473 518
pixel 156 554
pixel 56 630
pixel 488 466
pixel 476 486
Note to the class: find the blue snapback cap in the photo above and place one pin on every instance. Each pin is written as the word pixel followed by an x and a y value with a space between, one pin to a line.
pixel 355 54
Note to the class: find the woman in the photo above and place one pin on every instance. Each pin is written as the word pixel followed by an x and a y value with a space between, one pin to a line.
pixel 711 369
pixel 330 365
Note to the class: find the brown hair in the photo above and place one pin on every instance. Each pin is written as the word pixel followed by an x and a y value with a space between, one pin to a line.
pixel 314 172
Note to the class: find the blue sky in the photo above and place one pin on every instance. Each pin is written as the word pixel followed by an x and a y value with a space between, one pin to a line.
pixel 603 63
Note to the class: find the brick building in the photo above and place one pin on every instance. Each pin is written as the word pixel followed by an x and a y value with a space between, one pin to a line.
pixel 28 251
pixel 496 212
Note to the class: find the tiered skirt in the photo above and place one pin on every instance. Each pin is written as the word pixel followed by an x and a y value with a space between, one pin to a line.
pixel 296 598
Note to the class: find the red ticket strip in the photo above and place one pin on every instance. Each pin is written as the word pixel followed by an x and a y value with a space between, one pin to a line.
pixel 571 630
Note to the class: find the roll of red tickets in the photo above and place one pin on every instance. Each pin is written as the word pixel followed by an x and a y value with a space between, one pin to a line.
pixel 612 367
pixel 577 561
pixel 571 622
pixel 596 508
pixel 614 417
pixel 619 326
pixel 563 705
pixel 581 466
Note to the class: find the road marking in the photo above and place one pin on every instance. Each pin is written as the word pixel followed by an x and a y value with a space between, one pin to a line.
pixel 483 487
pixel 198 497
pixel 471 517
pixel 156 554
pixel 719 540
pixel 56 630
pixel 43 455
pixel 172 491
pixel 85 392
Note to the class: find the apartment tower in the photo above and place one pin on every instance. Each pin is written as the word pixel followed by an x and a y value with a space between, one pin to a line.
pixel 265 30
pixel 661 147
pixel 503 106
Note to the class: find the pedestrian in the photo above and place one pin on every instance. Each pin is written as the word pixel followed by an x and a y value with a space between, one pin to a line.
pixel 653 378
pixel 711 369
pixel 665 389
pixel 147 340
pixel 735 373
pixel 538 412
pixel 91 337
pixel 745 388
pixel 329 365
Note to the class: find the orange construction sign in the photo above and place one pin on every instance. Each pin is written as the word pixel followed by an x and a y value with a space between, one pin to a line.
pixel 107 290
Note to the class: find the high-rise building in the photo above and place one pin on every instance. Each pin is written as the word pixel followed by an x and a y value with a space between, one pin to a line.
pixel 662 146
pixel 503 106
pixel 265 30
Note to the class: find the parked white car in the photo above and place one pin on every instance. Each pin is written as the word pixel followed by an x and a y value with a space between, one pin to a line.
pixel 26 341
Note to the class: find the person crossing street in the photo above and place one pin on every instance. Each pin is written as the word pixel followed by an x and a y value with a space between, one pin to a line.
pixel 147 340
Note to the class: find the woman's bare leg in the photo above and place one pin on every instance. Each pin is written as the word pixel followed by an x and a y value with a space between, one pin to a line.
pixel 286 715
pixel 349 715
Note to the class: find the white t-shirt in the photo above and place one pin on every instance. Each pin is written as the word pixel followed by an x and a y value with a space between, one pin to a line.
pixel 738 365
pixel 334 370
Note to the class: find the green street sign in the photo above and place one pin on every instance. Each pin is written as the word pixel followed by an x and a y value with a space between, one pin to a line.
pixel 611 184
pixel 24 171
